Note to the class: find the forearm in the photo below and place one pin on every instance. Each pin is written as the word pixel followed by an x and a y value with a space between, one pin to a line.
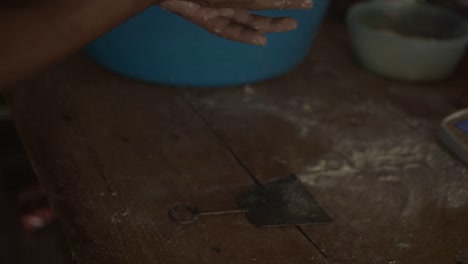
pixel 35 36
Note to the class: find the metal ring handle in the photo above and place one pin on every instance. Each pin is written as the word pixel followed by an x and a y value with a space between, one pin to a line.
pixel 184 214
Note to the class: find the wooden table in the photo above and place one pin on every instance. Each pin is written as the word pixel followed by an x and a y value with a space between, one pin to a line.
pixel 114 155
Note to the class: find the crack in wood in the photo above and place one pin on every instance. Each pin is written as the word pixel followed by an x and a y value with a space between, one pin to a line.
pixel 236 157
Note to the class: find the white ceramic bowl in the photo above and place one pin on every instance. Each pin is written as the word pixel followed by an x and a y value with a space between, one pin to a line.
pixel 408 41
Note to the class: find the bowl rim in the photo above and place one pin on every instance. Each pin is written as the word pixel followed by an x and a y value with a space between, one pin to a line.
pixel 353 22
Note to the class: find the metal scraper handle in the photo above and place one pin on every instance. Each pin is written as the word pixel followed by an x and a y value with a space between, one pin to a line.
pixel 184 214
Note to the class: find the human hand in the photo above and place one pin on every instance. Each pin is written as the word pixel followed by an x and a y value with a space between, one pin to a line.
pixel 233 20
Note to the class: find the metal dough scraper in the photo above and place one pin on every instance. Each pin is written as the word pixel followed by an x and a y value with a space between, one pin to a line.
pixel 281 202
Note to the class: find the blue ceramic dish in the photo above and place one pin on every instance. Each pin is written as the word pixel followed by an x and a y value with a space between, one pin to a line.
pixel 158 46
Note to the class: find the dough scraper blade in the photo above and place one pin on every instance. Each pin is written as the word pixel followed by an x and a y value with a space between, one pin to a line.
pixel 282 202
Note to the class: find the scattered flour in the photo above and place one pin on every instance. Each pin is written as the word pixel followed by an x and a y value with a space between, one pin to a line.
pixel 457 197
pixel 389 178
pixel 118 217
pixel 403 245
pixel 379 158
pixel 411 163
pixel 285 114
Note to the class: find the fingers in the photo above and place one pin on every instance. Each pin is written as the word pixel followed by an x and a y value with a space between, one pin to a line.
pixel 280 24
pixel 234 24
pixel 267 4
pixel 264 24
pixel 260 23
pixel 225 28
pixel 282 4
pixel 246 27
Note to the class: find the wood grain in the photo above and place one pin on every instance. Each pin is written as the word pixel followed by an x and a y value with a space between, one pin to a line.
pixel 367 148
pixel 114 155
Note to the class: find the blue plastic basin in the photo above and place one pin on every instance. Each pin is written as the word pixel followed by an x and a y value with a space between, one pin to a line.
pixel 158 46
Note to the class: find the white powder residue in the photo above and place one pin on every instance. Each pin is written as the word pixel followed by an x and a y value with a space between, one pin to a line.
pixel 411 162
pixel 119 216
pixel 288 115
pixel 403 245
pixel 411 159
pixel 357 158
pixel 457 197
